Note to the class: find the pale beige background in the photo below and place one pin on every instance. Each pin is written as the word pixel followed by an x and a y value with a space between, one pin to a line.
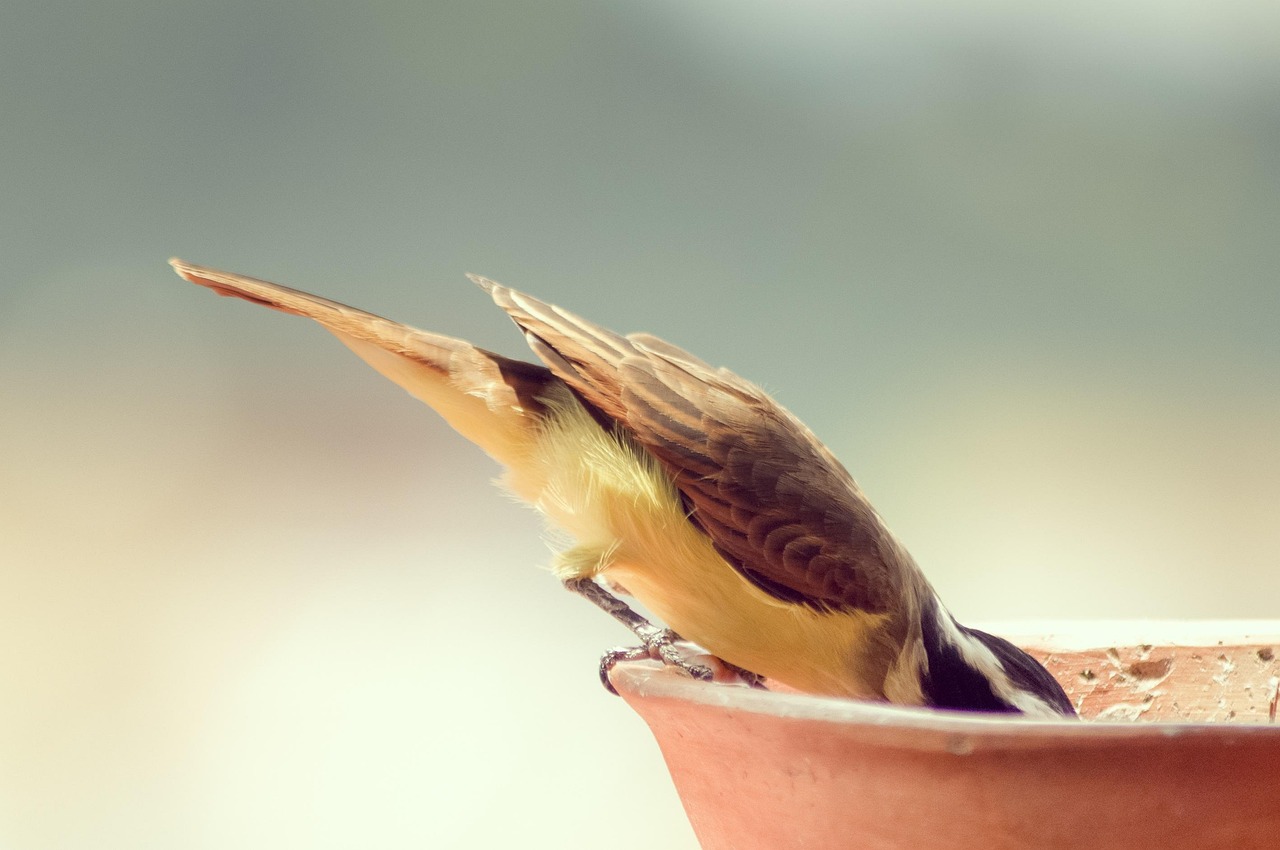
pixel 1017 264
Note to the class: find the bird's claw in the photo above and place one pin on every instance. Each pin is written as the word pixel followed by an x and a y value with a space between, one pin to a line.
pixel 666 646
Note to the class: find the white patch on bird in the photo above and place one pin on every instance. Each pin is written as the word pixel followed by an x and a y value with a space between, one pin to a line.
pixel 629 526
pixel 980 657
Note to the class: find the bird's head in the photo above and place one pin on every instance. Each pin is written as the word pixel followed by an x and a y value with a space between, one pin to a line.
pixel 972 670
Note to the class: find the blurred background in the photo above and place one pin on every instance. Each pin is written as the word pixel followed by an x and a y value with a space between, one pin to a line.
pixel 1016 264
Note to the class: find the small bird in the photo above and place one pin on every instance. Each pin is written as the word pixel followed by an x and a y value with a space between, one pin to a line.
pixel 690 489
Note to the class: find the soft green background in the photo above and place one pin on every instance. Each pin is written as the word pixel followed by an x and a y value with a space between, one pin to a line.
pixel 1017 263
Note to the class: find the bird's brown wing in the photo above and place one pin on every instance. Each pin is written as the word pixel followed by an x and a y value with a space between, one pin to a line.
pixel 774 501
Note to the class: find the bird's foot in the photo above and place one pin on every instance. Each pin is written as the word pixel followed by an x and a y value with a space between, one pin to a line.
pixel 690 659
pixel 660 645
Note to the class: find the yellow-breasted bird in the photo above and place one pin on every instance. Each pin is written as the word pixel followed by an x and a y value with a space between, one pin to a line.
pixel 691 490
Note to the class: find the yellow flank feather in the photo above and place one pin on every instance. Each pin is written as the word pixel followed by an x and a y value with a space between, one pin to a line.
pixel 630 527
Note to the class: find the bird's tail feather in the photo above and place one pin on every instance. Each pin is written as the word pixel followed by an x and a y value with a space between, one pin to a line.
pixel 491 400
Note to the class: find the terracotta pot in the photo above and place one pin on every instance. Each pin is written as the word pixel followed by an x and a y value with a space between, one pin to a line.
pixel 1177 750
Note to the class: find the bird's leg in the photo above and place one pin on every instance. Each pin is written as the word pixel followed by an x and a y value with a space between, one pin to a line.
pixel 659 644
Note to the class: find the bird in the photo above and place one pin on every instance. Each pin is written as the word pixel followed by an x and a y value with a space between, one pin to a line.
pixel 689 489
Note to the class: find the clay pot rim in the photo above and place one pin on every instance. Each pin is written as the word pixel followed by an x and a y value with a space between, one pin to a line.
pixel 1075 635
pixel 962 732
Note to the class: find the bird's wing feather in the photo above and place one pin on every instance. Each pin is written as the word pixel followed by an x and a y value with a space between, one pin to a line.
pixel 775 503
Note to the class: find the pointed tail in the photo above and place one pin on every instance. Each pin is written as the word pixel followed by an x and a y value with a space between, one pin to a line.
pixel 491 400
